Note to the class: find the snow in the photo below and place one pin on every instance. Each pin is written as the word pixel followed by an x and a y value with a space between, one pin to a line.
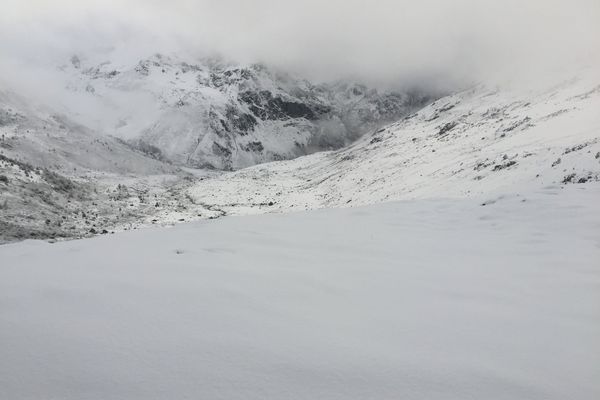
pixel 184 108
pixel 478 280
pixel 426 299
pixel 485 141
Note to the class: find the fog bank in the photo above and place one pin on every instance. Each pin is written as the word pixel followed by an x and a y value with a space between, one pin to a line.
pixel 386 42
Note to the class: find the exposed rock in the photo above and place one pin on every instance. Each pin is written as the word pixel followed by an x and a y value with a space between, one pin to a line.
pixel 505 165
pixel 210 101
pixel 444 129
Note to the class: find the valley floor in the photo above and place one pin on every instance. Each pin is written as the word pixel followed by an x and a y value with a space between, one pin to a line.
pixel 428 299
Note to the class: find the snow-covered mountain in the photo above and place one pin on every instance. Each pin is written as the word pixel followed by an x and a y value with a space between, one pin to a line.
pixel 485 141
pixel 211 114
pixel 107 153
pixel 38 135
pixel 501 232
pixel 60 179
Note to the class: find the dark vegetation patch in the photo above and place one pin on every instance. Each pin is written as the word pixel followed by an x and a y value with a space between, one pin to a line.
pixel 23 166
pixel 447 107
pixel 444 129
pixel 10 232
pixel 9 118
pixel 58 182
pixel 522 123
pixel 583 178
pixel 482 165
pixel 576 148
pixel 507 164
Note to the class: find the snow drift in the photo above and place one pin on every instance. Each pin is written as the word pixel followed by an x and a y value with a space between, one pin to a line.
pixel 438 299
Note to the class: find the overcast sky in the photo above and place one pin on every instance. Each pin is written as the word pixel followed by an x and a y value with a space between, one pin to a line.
pixel 384 41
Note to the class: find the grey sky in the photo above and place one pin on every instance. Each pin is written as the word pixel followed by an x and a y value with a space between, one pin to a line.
pixel 385 41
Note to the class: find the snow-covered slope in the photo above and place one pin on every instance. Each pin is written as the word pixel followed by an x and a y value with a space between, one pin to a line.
pixel 483 141
pixel 61 179
pixel 208 113
pixel 489 142
pixel 37 134
pixel 432 300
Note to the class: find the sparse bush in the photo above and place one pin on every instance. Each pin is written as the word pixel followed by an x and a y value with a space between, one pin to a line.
pixel 58 182
pixel 25 167
pixel 121 193
pixel 569 178
pixel 150 150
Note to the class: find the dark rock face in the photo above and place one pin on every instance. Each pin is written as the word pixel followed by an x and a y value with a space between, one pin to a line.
pixel 150 150
pixel 230 77
pixel 267 107
pixel 220 150
pixel 223 116
pixel 290 109
pixel 505 165
pixel 241 123
pixel 256 147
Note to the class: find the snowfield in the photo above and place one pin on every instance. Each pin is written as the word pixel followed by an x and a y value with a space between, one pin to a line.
pixel 428 299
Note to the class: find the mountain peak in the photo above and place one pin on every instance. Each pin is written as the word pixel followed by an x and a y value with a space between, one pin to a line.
pixel 216 113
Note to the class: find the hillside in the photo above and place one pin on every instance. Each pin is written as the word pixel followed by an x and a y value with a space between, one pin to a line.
pixel 62 179
pixel 115 147
pixel 481 142
pixel 59 179
pixel 210 113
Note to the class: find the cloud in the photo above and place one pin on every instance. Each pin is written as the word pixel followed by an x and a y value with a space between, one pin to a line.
pixel 387 42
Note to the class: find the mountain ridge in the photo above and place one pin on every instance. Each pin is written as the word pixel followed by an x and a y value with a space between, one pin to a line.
pixel 59 179
pixel 213 114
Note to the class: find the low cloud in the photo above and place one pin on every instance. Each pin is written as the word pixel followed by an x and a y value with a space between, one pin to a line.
pixel 385 42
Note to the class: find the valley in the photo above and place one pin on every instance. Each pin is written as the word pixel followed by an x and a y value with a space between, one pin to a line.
pixel 63 180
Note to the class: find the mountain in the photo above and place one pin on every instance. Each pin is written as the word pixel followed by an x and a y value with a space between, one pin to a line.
pixel 209 113
pixel 498 228
pixel 112 151
pixel 59 178
pixel 39 135
pixel 485 141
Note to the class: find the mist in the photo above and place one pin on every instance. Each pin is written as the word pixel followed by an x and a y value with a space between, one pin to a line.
pixel 385 42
